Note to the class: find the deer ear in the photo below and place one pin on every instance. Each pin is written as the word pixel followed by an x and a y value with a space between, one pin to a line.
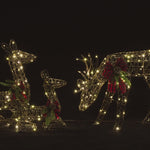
pixel 44 74
pixel 13 45
pixel 5 47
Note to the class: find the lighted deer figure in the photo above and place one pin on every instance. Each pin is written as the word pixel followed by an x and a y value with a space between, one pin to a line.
pixel 16 59
pixel 53 107
pixel 116 69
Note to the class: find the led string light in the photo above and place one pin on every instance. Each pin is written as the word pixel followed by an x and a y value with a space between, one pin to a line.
pixel 137 64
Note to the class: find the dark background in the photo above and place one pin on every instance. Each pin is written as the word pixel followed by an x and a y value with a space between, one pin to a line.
pixel 57 33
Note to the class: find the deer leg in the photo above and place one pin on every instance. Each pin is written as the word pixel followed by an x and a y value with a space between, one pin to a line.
pixel 121 104
pixel 105 105
pixel 147 117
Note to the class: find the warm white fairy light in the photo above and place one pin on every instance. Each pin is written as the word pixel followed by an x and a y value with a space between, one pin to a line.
pixel 117 128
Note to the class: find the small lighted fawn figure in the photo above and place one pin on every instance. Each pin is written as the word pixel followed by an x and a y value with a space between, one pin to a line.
pixel 116 69
pixel 53 107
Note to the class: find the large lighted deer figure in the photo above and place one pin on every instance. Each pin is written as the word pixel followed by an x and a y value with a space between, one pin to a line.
pixel 17 105
pixel 116 69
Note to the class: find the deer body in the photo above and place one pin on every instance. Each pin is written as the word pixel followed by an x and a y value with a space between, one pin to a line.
pixel 138 65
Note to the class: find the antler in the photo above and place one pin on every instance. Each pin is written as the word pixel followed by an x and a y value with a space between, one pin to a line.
pixel 89 66
pixel 89 72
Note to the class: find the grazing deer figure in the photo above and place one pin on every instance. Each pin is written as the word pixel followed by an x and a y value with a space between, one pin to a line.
pixel 17 105
pixel 116 69
pixel 53 107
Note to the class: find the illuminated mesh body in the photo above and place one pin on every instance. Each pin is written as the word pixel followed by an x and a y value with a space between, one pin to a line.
pixel 138 65
pixel 16 59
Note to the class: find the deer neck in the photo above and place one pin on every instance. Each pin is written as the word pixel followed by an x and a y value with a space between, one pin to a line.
pixel 19 76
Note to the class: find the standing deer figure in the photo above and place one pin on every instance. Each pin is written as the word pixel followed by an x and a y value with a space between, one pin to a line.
pixel 16 59
pixel 116 69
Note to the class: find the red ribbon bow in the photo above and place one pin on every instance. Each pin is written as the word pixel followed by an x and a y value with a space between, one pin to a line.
pixel 111 72
pixel 56 109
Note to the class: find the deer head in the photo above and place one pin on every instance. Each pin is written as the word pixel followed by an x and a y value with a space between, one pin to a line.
pixel 15 55
pixel 91 83
pixel 53 83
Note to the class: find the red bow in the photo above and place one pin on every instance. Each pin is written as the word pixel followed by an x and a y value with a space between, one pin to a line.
pixel 56 109
pixel 112 74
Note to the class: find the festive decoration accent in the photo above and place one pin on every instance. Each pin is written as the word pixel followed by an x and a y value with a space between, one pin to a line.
pixel 116 69
pixel 26 117
pixel 116 76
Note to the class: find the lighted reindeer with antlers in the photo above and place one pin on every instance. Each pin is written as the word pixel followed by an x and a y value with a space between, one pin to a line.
pixel 116 69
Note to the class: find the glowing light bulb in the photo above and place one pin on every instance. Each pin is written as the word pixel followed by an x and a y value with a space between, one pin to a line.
pixel 97 123
pixel 5 106
pixel 92 72
pixel 32 106
pixel 75 91
pixel 78 85
pixel 118 115
pixel 85 59
pixel 21 55
pixel 21 67
pixel 7 96
pixel 39 119
pixel 24 92
pixel 117 128
pixel 16 126
pixel 14 55
pixel 125 100
pixel 97 71
pixel 18 83
pixel 96 56
pixel 34 129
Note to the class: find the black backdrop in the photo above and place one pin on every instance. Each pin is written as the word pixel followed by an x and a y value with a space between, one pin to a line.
pixel 58 33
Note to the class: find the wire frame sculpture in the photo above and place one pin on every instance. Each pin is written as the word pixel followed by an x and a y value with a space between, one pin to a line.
pixel 53 107
pixel 8 100
pixel 26 117
pixel 115 69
